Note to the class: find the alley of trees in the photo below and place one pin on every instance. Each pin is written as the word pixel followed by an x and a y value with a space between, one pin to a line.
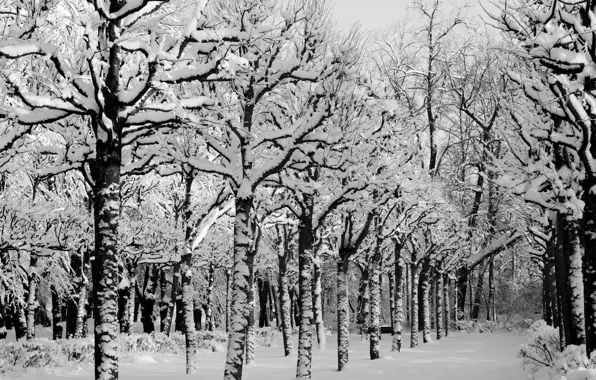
pixel 238 164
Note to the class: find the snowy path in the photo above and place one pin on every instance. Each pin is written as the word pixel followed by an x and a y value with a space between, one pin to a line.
pixel 461 356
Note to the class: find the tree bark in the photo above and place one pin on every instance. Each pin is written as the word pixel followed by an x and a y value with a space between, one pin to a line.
pixel 317 303
pixel 375 294
pixel 569 280
pixel 250 330
pixel 439 303
pixel 149 298
pixel 589 259
pixel 479 291
pixel 106 258
pixel 364 302
pixel 399 300
pixel 414 300
pixel 229 285
pixel 168 322
pixel 305 254
pixel 164 302
pixel 209 322
pixel 343 312
pixel 264 290
pixel 32 303
pixel 284 293
pixel 425 282
pixel 461 287
pixel 446 303
pixel 187 274
pixel 57 328
pixel 243 262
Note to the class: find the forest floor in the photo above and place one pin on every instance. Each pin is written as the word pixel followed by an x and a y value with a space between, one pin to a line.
pixel 461 356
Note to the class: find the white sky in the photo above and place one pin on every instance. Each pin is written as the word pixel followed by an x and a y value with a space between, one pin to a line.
pixel 379 14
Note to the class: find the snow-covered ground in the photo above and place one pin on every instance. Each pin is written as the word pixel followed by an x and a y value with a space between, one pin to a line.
pixel 461 356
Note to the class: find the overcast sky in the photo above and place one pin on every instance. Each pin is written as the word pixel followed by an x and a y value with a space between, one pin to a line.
pixel 375 14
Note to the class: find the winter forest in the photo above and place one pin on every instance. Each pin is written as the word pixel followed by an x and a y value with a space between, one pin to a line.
pixel 242 189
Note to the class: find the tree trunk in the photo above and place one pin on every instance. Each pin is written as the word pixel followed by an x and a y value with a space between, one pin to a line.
pixel 56 315
pixel 229 285
pixel 19 319
pixel 305 253
pixel 569 280
pixel 209 322
pixel 105 263
pixel 164 302
pixel 276 302
pixel 284 294
pixel 375 294
pixel 425 289
pixel 264 290
pixel 187 273
pixel 32 304
pixel 167 324
pixel 589 260
pixel 439 303
pixel 364 302
pixel 479 291
pixel 391 278
pixel 414 301
pixel 250 330
pixel 399 300
pixel 461 286
pixel 131 299
pixel 318 305
pixel 446 303
pixel 149 297
pixel 243 262
pixel 343 312
pixel 492 310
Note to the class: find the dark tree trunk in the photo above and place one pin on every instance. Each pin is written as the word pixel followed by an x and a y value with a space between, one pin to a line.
pixel 461 287
pixel 164 302
pixel 447 306
pixel 56 315
pixel 149 298
pixel 479 291
pixel 264 290
pixel 167 324
pixel 589 259
pixel 569 280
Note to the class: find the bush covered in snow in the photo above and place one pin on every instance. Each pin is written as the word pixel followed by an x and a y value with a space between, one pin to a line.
pixel 38 353
pixel 541 347
pixel 49 354
pixel 542 358
pixel 492 326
